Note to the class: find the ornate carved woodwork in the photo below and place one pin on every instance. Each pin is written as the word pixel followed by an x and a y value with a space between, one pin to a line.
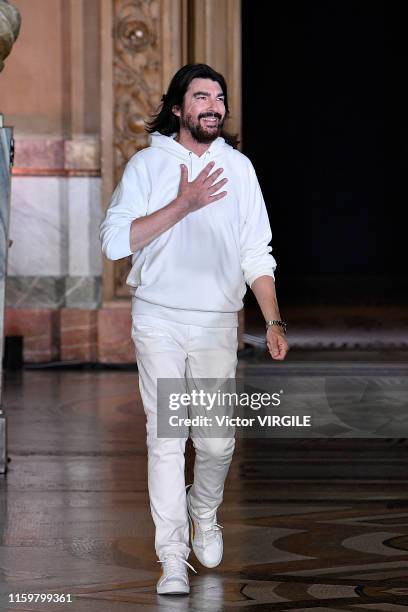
pixel 137 74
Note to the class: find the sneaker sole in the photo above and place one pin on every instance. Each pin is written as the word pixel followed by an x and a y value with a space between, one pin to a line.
pixel 172 591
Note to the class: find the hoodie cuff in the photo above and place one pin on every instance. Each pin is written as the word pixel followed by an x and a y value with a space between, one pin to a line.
pixel 120 246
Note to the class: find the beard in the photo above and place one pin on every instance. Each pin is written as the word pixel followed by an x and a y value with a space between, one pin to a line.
pixel 200 133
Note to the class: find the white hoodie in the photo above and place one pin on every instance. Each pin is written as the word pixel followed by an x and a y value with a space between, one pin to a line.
pixel 197 269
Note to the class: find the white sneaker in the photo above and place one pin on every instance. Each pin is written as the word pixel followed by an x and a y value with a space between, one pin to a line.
pixel 206 538
pixel 174 576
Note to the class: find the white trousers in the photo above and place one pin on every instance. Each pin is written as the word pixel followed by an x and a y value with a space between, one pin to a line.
pixel 166 349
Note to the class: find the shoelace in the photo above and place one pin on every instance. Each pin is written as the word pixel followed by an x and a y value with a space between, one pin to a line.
pixel 209 532
pixel 173 564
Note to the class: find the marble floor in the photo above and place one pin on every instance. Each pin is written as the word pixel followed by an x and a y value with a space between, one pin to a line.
pixel 309 525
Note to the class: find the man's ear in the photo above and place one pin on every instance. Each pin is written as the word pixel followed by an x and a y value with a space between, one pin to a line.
pixel 176 110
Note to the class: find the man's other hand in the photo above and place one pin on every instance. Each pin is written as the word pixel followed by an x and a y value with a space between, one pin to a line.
pixel 276 342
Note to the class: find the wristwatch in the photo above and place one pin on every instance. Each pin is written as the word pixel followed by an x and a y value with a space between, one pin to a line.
pixel 281 324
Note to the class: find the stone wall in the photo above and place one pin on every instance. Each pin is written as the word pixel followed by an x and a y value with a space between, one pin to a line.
pixel 50 93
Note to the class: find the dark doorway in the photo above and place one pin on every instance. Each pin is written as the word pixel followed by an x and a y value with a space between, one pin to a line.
pixel 324 123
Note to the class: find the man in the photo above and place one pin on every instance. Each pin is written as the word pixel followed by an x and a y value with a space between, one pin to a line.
pixel 190 211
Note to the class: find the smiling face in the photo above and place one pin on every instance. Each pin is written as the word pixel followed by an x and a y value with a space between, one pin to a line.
pixel 203 111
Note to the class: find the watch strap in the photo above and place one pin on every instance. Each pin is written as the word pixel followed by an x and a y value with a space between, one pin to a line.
pixel 277 322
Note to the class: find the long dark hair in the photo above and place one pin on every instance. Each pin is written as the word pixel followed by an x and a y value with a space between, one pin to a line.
pixel 165 121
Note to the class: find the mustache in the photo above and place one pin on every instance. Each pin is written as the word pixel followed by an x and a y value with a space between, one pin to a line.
pixel 210 114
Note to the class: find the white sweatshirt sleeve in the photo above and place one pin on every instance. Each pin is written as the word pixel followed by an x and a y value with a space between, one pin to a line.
pixel 256 235
pixel 129 201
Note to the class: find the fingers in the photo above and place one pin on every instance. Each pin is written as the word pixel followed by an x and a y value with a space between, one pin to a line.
pixel 217 196
pixel 274 349
pixel 217 186
pixel 203 185
pixel 278 347
pixel 205 175
pixel 184 173
pixel 212 177
pixel 206 170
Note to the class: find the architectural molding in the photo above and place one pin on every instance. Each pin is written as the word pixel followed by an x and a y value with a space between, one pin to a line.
pixel 137 79
pixel 55 172
pixel 57 157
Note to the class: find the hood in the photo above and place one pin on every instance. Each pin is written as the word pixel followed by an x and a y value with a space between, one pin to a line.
pixel 168 144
